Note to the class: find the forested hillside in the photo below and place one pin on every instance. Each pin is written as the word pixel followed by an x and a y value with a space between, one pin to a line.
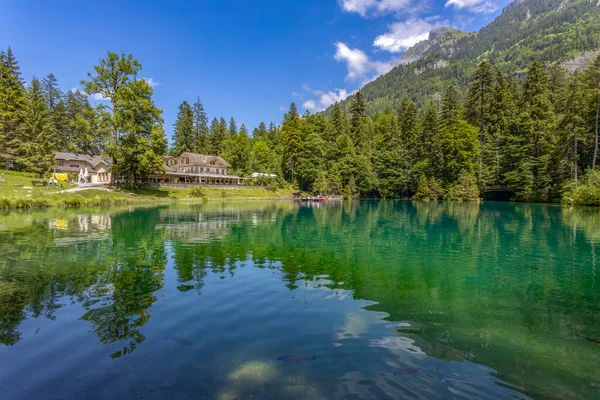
pixel 547 31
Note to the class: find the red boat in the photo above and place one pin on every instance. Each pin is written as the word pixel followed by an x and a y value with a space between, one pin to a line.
pixel 313 199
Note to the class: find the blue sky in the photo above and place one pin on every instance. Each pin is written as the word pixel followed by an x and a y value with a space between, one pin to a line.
pixel 246 59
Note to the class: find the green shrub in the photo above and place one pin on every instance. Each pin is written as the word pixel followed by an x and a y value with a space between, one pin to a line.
pixel 587 193
pixel 464 189
pixel 436 191
pixel 197 192
pixel 422 192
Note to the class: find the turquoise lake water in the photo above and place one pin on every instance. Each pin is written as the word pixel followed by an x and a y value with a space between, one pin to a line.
pixel 279 300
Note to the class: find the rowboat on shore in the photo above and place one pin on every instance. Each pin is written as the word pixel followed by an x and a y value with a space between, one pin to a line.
pixel 312 199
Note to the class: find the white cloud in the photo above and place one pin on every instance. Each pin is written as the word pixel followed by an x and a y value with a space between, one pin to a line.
pixel 403 35
pixel 77 90
pixel 309 105
pixel 331 97
pixel 477 6
pixel 325 99
pixel 100 97
pixel 151 82
pixel 282 108
pixel 364 7
pixel 359 66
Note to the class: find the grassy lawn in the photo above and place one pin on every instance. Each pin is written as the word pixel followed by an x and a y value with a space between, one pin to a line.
pixel 208 193
pixel 18 192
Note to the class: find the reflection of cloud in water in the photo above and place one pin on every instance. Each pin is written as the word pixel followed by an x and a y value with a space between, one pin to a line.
pixel 199 227
pixel 396 344
pixel 354 327
pixel 196 232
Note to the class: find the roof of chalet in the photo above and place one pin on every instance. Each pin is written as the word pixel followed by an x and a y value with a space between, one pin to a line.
pixel 204 159
pixel 93 160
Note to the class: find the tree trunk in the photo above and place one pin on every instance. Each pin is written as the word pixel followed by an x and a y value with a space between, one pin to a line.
pixel 481 134
pixel 575 126
pixel 596 135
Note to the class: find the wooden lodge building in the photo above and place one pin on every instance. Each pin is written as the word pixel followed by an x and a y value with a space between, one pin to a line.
pixel 199 169
pixel 97 168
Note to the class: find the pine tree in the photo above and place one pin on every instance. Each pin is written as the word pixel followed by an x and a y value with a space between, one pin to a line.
pixel 218 136
pixel 56 107
pixel 260 132
pixel 12 104
pixel 407 116
pixel 535 99
pixel 391 161
pixel 36 151
pixel 59 124
pixel 52 92
pixel 184 133
pixel 460 142
pixel 502 109
pixel 237 151
pixel 273 133
pixel 311 160
pixel 232 128
pixel 337 120
pixel 570 131
pixel 529 142
pixel 432 141
pixel 451 111
pixel 557 89
pixel 357 117
pixel 478 104
pixel 292 141
pixel 200 140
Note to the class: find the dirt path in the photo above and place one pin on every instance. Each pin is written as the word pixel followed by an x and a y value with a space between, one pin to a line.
pixel 86 187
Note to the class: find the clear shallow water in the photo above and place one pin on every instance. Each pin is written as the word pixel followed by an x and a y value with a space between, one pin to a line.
pixel 363 300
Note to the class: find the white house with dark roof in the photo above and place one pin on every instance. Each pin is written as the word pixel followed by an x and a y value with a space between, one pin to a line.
pixel 198 168
pixel 98 168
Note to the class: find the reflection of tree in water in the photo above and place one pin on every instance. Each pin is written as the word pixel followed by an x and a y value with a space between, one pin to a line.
pixel 218 240
pixel 113 277
pixel 30 288
pixel 124 294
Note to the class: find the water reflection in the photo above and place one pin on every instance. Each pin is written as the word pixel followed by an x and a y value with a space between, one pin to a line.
pixel 397 296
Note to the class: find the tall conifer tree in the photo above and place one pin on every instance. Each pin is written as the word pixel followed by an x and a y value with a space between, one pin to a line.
pixel 184 134
pixel 200 128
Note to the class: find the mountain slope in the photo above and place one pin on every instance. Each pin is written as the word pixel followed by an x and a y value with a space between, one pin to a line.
pixel 549 31
pixel 440 41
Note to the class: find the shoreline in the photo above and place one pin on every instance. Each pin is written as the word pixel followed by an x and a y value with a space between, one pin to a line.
pixel 34 199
